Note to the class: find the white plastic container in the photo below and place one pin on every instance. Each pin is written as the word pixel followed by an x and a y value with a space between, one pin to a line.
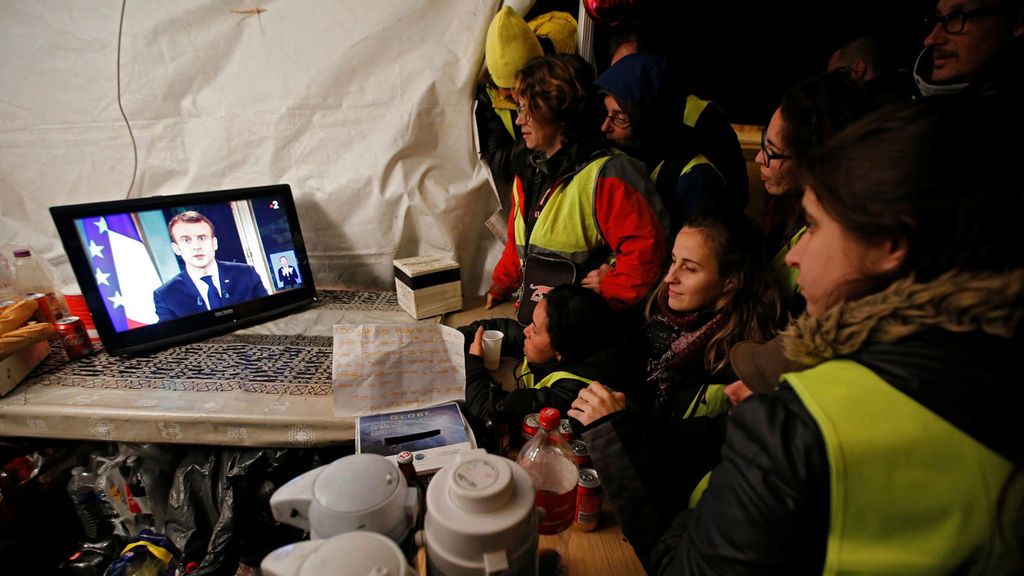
pixel 357 492
pixel 7 290
pixel 29 277
pixel 349 554
pixel 481 518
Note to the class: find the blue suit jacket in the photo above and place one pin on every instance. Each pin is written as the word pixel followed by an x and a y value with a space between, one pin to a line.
pixel 179 296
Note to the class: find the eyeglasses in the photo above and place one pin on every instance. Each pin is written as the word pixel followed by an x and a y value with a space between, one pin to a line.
pixel 618 120
pixel 954 22
pixel 769 156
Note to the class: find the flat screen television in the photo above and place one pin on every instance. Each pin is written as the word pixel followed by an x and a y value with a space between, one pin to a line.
pixel 165 270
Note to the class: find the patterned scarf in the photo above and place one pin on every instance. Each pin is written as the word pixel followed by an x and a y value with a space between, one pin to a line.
pixel 677 342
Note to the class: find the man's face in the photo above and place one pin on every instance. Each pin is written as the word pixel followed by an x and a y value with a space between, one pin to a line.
pixel 959 57
pixel 284 262
pixel 195 243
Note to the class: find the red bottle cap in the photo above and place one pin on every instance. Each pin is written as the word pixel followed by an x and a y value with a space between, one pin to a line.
pixel 549 418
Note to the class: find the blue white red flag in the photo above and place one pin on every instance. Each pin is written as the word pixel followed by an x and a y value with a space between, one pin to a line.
pixel 124 270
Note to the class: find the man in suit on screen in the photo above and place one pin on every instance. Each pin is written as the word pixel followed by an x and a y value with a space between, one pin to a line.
pixel 206 283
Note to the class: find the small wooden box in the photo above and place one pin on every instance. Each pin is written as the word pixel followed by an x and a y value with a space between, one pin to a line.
pixel 15 367
pixel 428 285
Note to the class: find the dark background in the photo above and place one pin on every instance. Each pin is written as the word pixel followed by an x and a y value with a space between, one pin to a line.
pixel 745 55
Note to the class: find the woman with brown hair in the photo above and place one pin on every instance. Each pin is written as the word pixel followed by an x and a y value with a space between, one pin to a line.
pixel 576 204
pixel 898 449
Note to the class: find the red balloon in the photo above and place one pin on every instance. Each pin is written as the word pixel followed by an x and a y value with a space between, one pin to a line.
pixel 608 12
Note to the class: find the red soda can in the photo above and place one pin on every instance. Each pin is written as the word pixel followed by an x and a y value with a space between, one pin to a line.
pixel 72 334
pixel 581 454
pixel 588 500
pixel 565 429
pixel 531 423
pixel 45 311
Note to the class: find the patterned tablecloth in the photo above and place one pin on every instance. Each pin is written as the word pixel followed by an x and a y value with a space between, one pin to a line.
pixel 268 385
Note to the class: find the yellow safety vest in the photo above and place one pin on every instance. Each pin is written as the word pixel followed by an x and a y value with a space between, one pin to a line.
pixel 524 375
pixel 694 108
pixel 695 161
pixel 785 276
pixel 911 493
pixel 566 225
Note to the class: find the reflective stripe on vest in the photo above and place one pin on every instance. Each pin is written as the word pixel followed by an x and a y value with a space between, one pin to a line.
pixel 694 108
pixel 911 493
pixel 567 225
pixel 695 161
pixel 524 375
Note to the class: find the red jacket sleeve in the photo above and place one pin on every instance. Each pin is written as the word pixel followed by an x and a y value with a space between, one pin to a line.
pixel 507 275
pixel 631 228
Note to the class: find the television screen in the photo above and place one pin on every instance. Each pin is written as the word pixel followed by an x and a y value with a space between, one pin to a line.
pixel 168 269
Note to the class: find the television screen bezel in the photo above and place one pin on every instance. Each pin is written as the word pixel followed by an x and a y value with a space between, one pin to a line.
pixel 196 326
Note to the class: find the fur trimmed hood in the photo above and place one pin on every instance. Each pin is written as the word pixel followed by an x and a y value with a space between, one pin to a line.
pixel 956 301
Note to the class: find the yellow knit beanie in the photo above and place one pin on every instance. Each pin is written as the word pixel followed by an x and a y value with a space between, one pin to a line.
pixel 510 44
pixel 559 28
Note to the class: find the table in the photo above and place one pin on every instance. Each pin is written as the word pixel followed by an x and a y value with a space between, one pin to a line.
pixel 264 386
pixel 229 391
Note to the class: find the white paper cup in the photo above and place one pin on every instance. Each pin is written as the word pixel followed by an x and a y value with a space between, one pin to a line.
pixel 492 348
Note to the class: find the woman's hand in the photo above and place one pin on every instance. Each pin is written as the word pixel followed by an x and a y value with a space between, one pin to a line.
pixel 594 402
pixel 477 347
pixel 594 278
pixel 737 392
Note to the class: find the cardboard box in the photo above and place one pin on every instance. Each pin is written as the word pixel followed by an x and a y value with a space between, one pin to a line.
pixel 435 435
pixel 15 367
pixel 428 285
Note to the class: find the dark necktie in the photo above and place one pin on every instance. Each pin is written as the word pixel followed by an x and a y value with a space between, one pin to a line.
pixel 212 295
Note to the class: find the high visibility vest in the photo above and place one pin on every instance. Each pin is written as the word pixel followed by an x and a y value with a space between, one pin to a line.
pixel 567 226
pixel 694 108
pixel 695 161
pixel 524 375
pixel 911 493
pixel 785 276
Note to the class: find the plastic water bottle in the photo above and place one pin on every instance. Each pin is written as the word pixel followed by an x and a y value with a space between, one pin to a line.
pixel 550 463
pixel 82 489
pixel 7 290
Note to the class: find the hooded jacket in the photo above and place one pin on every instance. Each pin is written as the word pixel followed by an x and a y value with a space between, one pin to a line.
pixel 950 345
pixel 643 85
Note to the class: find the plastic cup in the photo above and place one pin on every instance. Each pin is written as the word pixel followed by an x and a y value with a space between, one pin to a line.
pixel 492 348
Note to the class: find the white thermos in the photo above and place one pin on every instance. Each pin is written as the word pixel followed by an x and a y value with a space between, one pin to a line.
pixel 481 518
pixel 349 554
pixel 357 492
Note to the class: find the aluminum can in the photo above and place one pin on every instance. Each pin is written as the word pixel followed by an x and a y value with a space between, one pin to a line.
pixel 588 500
pixel 531 423
pixel 580 454
pixel 565 429
pixel 73 337
pixel 45 311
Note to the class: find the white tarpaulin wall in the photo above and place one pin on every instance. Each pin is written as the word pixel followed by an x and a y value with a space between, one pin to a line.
pixel 363 106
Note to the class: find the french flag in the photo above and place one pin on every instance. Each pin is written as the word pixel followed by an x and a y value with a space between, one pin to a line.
pixel 124 270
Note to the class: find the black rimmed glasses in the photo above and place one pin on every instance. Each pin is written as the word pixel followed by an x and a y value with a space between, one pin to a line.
pixel 618 120
pixel 954 22
pixel 769 156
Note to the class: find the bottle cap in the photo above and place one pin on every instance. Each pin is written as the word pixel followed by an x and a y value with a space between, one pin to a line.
pixel 549 418
pixel 405 457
